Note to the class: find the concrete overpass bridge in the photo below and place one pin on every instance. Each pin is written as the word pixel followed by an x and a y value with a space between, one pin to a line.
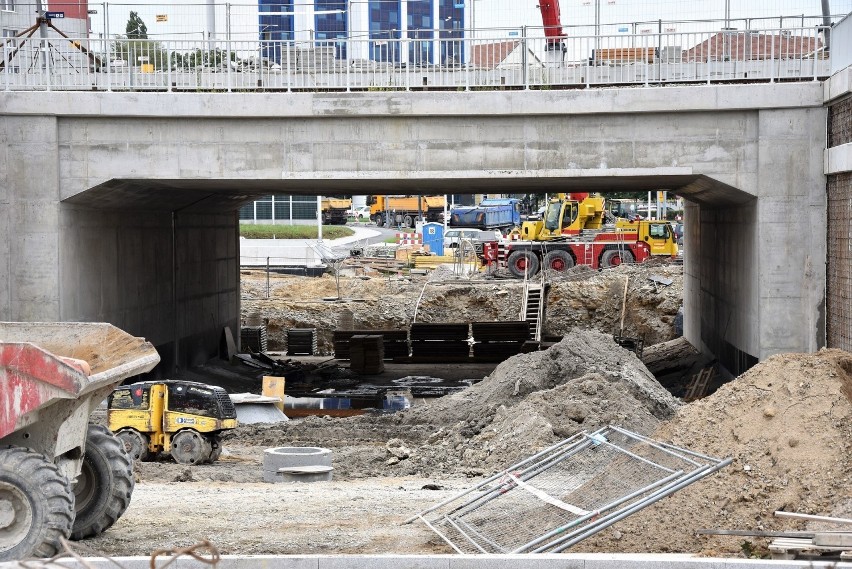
pixel 122 207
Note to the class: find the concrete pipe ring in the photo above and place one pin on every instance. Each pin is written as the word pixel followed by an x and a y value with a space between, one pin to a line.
pixel 274 459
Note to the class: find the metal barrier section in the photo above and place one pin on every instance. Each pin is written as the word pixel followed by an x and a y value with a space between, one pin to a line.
pixel 501 61
pixel 566 493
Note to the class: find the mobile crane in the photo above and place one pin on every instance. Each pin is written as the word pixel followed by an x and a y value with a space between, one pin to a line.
pixel 573 232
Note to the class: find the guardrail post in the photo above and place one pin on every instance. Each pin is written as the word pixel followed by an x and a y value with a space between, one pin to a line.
pixel 228 63
pixel 524 61
pixel 6 63
pixel 267 278
pixel 772 61
pixel 168 68
pixel 45 45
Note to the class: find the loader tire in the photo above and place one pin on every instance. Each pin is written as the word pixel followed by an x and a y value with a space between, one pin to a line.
pixel 104 486
pixel 36 505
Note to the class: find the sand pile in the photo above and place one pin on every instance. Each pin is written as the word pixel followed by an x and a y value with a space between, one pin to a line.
pixel 788 425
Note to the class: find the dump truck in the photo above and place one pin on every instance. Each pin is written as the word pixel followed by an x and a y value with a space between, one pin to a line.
pixel 60 476
pixel 492 213
pixel 182 418
pixel 335 211
pixel 404 210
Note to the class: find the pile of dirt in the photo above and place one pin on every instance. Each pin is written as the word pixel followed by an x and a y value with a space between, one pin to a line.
pixel 531 401
pixel 787 423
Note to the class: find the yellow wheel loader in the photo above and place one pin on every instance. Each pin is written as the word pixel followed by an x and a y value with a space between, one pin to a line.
pixel 181 418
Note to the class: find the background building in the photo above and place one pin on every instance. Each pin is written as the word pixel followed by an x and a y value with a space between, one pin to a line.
pixel 428 32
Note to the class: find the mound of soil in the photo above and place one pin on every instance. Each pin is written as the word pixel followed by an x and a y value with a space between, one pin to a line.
pixel 787 423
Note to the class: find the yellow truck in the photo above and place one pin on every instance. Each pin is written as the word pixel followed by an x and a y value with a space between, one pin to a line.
pixel 182 418
pixel 335 210
pixel 404 210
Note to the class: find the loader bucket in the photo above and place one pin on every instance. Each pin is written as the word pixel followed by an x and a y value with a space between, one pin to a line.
pixel 34 376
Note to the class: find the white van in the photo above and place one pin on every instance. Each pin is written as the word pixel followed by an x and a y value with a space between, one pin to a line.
pixel 453 236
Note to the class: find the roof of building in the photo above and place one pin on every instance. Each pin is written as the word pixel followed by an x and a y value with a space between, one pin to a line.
pixel 490 55
pixel 740 46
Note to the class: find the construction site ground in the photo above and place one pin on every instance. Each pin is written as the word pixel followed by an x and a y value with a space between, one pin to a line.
pixel 787 424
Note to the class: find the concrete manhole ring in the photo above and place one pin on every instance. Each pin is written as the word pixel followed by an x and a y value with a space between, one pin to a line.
pixel 274 459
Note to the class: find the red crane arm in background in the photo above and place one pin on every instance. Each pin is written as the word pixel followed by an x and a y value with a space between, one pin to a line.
pixel 552 23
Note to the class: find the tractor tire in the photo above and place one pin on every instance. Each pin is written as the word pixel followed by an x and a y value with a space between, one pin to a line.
pixel 135 444
pixel 191 447
pixel 36 505
pixel 612 258
pixel 103 489
pixel 559 261
pixel 523 263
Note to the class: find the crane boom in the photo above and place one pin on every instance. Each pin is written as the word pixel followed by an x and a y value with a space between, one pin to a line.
pixel 552 21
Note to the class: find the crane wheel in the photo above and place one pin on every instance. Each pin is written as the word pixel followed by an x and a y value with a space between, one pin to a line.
pixel 135 444
pixel 523 263
pixel 613 258
pixel 191 447
pixel 559 261
pixel 36 505
pixel 103 489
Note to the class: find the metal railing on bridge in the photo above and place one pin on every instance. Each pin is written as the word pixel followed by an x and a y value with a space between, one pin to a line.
pixel 522 61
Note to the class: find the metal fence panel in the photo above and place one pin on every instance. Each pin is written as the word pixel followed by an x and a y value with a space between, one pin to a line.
pixel 564 494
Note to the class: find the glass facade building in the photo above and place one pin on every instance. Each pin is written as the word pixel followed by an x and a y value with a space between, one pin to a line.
pixel 332 25
pixel 433 29
pixel 275 25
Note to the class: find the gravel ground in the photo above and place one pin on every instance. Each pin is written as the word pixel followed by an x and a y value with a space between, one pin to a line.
pixel 355 516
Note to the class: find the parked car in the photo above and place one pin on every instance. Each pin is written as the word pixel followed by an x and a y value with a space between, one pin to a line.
pixel 359 213
pixel 453 236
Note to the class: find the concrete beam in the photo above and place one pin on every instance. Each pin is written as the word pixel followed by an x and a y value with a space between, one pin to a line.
pixel 639 100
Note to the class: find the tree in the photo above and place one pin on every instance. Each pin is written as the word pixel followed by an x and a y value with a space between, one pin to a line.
pixel 136 28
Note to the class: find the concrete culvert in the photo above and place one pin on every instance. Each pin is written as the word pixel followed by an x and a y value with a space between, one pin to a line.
pixel 293 458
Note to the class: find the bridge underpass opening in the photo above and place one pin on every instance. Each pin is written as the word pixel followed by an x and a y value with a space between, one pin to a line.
pixel 160 258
